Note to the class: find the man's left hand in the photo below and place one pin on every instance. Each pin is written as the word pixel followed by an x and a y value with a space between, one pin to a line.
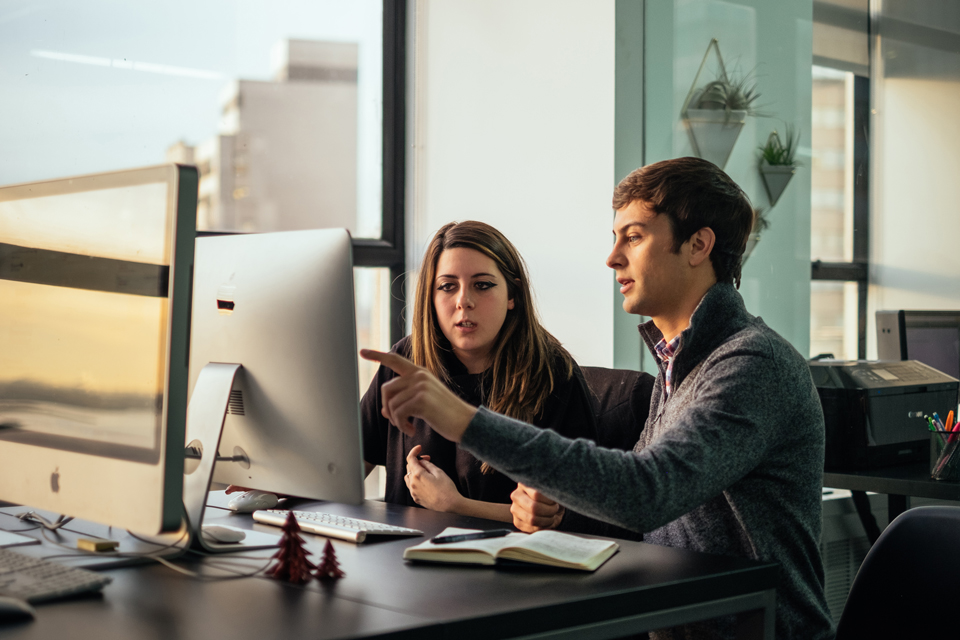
pixel 533 511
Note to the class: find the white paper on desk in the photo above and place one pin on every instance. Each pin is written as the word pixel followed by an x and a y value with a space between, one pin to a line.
pixel 551 548
pixel 11 539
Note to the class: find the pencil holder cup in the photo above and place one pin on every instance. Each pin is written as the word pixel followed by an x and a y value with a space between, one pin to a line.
pixel 945 456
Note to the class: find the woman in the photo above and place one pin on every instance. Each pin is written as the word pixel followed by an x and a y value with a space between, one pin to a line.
pixel 476 329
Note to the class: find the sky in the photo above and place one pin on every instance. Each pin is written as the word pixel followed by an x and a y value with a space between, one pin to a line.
pixel 100 85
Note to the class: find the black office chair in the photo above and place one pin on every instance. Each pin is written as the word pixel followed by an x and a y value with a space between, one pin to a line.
pixel 909 583
pixel 620 399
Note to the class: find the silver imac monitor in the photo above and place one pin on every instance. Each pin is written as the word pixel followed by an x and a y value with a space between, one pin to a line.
pixel 280 305
pixel 94 328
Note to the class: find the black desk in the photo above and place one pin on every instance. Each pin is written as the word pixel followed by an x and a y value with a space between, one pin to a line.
pixel 899 483
pixel 640 588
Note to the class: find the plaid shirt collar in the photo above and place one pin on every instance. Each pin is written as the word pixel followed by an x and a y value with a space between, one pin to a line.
pixel 665 351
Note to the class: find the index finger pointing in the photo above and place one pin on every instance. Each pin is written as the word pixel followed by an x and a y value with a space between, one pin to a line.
pixel 397 363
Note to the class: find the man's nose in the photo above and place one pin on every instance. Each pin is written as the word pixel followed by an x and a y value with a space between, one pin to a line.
pixel 615 259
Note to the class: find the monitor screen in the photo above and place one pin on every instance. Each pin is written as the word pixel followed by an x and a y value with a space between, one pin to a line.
pixel 282 306
pixel 95 278
pixel 931 337
pixel 938 347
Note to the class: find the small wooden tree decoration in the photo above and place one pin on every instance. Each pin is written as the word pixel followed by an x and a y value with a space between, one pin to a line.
pixel 329 568
pixel 292 564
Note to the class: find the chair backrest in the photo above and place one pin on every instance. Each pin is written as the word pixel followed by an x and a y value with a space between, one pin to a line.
pixel 909 583
pixel 621 401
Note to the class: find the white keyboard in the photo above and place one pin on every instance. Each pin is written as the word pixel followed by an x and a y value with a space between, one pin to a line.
pixel 334 526
pixel 35 580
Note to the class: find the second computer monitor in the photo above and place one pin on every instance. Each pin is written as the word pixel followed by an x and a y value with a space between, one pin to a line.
pixel 932 337
pixel 282 306
pixel 94 325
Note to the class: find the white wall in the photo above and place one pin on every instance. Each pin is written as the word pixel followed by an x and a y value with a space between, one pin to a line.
pixel 512 123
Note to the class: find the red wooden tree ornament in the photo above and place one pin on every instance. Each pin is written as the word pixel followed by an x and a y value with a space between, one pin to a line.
pixel 292 564
pixel 329 568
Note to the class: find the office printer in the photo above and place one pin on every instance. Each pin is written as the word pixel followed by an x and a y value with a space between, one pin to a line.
pixel 874 410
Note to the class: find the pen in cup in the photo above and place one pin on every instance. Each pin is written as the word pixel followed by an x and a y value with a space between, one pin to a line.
pixel 463 537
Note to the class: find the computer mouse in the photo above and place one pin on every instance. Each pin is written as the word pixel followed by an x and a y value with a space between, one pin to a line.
pixel 250 501
pixel 12 609
pixel 221 533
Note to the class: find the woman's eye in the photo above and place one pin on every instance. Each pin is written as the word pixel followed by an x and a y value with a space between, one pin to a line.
pixel 483 286
pixel 446 286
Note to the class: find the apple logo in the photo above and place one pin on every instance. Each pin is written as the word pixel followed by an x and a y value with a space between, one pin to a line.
pixel 55 480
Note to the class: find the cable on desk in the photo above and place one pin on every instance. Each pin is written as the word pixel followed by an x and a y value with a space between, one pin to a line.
pixel 47 529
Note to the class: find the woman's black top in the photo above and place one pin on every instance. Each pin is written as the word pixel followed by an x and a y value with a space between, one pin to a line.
pixel 567 411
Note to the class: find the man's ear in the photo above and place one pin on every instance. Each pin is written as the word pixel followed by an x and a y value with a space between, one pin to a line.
pixel 701 244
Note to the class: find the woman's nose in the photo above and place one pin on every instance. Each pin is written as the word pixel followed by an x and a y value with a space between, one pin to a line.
pixel 465 300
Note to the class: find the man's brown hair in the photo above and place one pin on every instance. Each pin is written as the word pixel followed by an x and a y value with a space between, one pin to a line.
pixel 693 194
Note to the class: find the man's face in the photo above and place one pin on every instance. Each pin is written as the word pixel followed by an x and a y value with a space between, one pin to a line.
pixel 650 274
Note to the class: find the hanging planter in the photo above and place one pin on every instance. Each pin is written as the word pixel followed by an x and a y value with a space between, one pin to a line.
pixel 715 113
pixel 777 162
pixel 775 179
pixel 714 133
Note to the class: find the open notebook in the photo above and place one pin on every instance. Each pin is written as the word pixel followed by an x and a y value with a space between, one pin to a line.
pixel 550 548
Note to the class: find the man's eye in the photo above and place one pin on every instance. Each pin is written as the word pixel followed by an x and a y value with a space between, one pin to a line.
pixel 633 239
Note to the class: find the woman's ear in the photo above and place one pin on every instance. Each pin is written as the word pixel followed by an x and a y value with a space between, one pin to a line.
pixel 510 302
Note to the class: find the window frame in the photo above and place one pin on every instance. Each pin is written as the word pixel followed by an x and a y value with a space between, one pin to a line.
pixel 389 250
pixel 857 270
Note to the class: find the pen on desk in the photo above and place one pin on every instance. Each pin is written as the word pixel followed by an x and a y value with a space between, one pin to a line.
pixel 463 537
pixel 949 425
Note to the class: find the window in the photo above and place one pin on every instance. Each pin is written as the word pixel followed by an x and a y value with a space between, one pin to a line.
pixel 839 216
pixel 293 111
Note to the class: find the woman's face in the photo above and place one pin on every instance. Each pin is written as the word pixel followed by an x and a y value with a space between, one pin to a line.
pixel 470 297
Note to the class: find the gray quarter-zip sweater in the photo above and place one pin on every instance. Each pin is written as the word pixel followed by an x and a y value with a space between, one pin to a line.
pixel 731 463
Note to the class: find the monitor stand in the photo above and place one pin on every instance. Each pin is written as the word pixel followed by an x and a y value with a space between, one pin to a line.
pixel 205 417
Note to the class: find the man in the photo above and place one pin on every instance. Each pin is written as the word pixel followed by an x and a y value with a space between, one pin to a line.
pixel 730 460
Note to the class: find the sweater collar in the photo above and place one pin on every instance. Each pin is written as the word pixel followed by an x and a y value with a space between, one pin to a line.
pixel 720 314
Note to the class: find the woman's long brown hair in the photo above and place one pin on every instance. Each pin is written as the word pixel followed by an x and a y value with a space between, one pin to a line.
pixel 524 355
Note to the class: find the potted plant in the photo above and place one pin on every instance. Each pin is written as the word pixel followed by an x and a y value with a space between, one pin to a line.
pixel 778 162
pixel 715 112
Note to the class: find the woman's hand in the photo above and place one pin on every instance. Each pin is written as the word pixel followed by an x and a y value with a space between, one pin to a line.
pixel 429 486
pixel 417 393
